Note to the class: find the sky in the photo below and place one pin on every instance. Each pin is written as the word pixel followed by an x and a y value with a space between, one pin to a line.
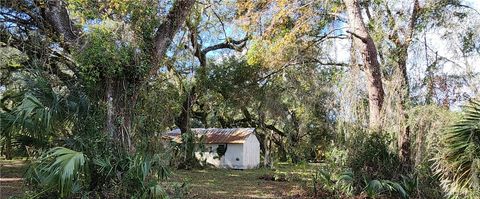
pixel 437 43
pixel 475 4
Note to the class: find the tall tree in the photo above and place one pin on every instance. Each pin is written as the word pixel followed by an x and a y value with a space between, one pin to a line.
pixel 119 77
pixel 368 51
pixel 398 53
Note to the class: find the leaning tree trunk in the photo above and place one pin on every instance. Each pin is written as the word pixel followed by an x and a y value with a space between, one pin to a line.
pixel 366 47
pixel 120 108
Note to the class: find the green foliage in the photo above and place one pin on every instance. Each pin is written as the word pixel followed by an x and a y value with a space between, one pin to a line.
pixel 342 184
pixel 370 158
pixel 426 125
pixel 100 174
pixel 156 110
pixel 287 80
pixel 336 184
pixel 10 58
pixel 362 163
pixel 43 114
pixel 376 187
pixel 58 168
pixel 256 53
pixel 184 153
pixel 458 158
pixel 234 79
pixel 107 54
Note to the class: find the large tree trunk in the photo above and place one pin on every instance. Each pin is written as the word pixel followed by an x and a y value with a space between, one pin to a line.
pixel 401 57
pixel 120 105
pixel 167 30
pixel 183 123
pixel 366 47
pixel 57 17
pixel 183 120
pixel 268 160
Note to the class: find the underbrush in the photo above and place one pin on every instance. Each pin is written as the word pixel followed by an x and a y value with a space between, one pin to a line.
pixel 365 166
pixel 97 168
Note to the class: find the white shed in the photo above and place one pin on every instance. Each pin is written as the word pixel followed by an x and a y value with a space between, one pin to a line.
pixel 240 146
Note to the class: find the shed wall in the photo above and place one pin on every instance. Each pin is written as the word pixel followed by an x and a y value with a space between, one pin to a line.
pixel 237 156
pixel 210 156
pixel 251 152
pixel 233 157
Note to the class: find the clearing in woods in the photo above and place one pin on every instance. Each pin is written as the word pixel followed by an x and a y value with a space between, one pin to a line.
pixel 285 181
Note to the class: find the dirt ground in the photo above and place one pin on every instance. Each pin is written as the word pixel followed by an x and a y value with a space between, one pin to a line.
pixel 11 182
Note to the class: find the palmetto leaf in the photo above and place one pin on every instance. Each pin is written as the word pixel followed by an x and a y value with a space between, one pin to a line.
pixel 458 159
pixel 377 187
pixel 43 113
pixel 58 168
pixel 345 176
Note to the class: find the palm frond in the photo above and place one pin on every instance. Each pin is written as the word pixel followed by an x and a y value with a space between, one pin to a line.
pixel 58 168
pixel 378 187
pixel 44 112
pixel 458 159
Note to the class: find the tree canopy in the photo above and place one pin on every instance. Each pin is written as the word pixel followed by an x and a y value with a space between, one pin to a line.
pixel 377 91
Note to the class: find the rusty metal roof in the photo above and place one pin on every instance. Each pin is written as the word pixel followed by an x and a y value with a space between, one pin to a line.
pixel 216 135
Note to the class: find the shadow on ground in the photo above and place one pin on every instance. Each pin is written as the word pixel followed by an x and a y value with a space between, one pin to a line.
pixel 11 182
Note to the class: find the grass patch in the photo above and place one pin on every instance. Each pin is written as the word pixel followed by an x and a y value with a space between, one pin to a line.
pixel 204 183
pixel 225 183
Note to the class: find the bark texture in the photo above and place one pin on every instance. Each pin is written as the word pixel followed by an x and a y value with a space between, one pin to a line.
pixel 404 137
pixel 401 57
pixel 120 94
pixel 368 51
pixel 57 16
pixel 167 30
pixel 120 102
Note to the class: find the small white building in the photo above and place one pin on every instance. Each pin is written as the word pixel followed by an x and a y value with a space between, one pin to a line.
pixel 235 148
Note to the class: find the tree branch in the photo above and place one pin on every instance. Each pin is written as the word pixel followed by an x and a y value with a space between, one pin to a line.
pixel 167 30
pixel 363 39
pixel 230 44
pixel 57 16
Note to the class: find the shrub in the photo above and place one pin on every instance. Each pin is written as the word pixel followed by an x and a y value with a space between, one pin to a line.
pixel 58 168
pixel 458 158
pixel 64 173
pixel 369 158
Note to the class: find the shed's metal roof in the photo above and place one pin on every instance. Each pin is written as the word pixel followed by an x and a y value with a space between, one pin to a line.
pixel 216 135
